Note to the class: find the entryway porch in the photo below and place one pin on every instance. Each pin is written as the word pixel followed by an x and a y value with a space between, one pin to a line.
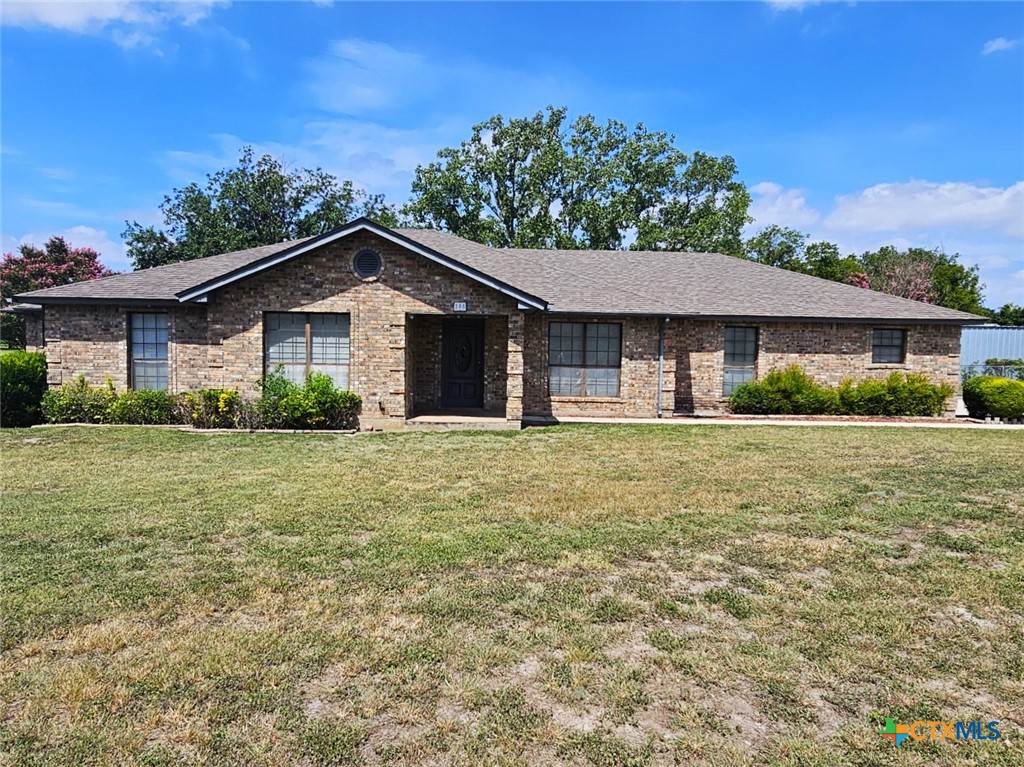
pixel 463 371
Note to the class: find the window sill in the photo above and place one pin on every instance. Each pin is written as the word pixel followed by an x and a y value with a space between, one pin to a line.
pixel 888 366
pixel 584 399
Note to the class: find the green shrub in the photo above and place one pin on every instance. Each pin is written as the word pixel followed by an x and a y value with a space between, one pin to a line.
pixel 214 409
pixel 77 402
pixel 786 392
pixel 330 407
pixel 897 395
pixel 22 384
pixel 317 405
pixel 144 406
pixel 996 397
pixel 278 405
pixel 793 392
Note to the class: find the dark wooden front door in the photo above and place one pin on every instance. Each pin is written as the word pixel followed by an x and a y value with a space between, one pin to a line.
pixel 462 363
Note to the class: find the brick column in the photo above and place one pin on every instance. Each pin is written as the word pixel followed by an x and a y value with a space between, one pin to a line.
pixel 51 344
pixel 514 368
pixel 668 380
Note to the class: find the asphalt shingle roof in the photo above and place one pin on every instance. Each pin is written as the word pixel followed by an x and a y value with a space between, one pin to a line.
pixel 659 282
pixel 573 281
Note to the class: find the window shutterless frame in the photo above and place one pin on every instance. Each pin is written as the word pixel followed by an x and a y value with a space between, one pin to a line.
pixel 740 361
pixel 888 346
pixel 303 343
pixel 148 350
pixel 584 359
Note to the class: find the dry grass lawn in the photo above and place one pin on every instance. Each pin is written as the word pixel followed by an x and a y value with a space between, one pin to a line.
pixel 719 595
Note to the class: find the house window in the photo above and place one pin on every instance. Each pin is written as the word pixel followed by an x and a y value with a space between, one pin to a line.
pixel 888 346
pixel 740 358
pixel 148 350
pixel 584 359
pixel 307 343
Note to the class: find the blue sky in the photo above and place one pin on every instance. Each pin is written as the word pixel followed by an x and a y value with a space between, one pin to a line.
pixel 863 123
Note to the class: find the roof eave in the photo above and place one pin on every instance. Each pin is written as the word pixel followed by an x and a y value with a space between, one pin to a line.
pixel 672 314
pixel 44 301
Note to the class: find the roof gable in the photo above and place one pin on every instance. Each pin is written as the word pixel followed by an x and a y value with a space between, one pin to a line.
pixel 200 291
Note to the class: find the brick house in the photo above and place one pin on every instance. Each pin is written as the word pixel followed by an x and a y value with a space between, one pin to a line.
pixel 421 322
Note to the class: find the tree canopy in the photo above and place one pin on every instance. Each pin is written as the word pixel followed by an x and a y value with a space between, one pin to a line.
pixel 920 274
pixel 1008 314
pixel 542 181
pixel 35 268
pixel 258 202
pixel 925 275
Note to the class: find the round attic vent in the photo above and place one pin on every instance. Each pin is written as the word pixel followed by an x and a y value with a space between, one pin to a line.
pixel 366 264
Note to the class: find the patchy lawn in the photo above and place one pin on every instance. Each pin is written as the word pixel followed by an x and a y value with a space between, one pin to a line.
pixel 586 595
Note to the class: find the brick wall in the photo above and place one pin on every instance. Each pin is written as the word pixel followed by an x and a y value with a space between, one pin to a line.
pixel 638 377
pixel 425 362
pixel 93 341
pixel 33 332
pixel 396 328
pixel 829 352
pixel 323 281
pixel 693 369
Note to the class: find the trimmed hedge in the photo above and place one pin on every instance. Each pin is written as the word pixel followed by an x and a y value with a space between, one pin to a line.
pixel 316 405
pixel 144 407
pixel 22 384
pixel 897 395
pixel 793 392
pixel 995 397
pixel 785 392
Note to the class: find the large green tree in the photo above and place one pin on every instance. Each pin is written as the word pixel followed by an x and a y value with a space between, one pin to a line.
pixel 258 202
pixel 788 248
pixel 543 181
pixel 1008 314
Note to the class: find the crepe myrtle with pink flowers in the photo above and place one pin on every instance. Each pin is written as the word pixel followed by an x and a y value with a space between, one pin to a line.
pixel 35 268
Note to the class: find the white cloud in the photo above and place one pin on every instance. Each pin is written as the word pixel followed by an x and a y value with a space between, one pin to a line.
pixel 358 75
pixel 376 158
pixel 131 23
pixel 985 225
pixel 999 44
pixel 365 87
pixel 791 5
pixel 773 204
pixel 924 204
pixel 367 78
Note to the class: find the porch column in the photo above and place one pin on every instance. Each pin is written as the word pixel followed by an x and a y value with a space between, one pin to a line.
pixel 668 371
pixel 514 368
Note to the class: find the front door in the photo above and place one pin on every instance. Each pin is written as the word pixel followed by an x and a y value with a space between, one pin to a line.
pixel 462 363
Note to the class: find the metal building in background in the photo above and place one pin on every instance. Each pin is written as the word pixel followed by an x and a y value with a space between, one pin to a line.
pixel 979 343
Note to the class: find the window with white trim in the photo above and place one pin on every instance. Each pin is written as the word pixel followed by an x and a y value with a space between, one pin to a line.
pixel 584 359
pixel 147 349
pixel 740 358
pixel 305 343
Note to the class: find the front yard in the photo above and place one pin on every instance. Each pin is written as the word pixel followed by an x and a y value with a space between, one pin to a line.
pixel 586 595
